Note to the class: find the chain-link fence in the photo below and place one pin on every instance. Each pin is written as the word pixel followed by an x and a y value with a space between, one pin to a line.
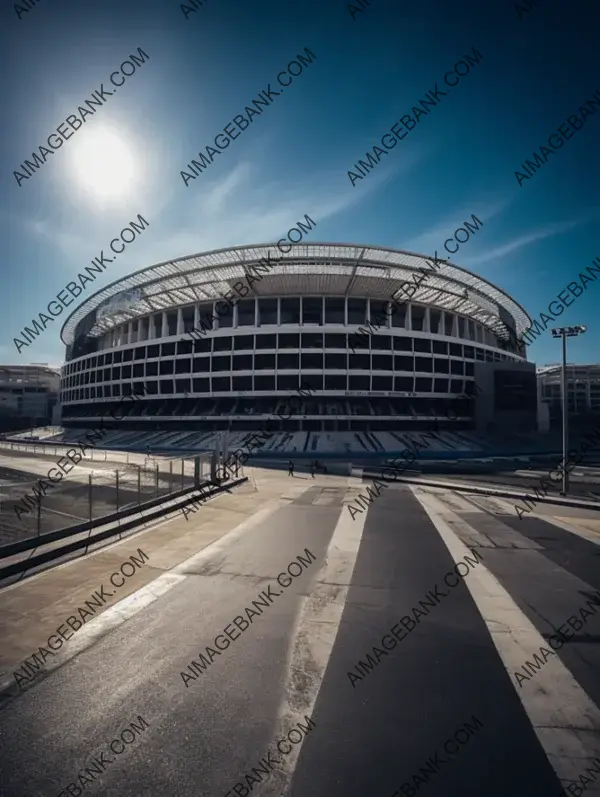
pixel 83 494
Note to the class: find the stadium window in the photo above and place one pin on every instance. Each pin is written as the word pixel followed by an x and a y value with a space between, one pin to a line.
pixel 183 366
pixel 242 384
pixel 336 362
pixel 222 344
pixel 290 310
pixel 424 364
pixel 312 310
pixel 441 366
pixel 357 309
pixel 471 329
pixel 335 311
pixel 422 344
pixel 360 382
pixel 187 315
pixel 469 369
pixel 203 345
pixel 403 384
pixel 244 342
pixel 205 315
pixel 417 317
pixel 167 350
pixel 403 363
pixel 201 385
pixel 166 367
pixel 127 355
pixel 378 312
pixel 126 372
pixel 489 357
pixel 479 354
pixel 381 342
pixel 139 353
pixel 448 323
pixel 440 347
pixel 263 362
pixel 264 383
pixel 434 321
pixel 359 362
pixel 456 350
pixel 220 364
pixel 267 312
pixel 201 364
pixel 117 357
pixel 166 387
pixel 225 316
pixel 242 362
pixel 423 384
pixel 153 351
pixel 335 382
pixel 383 362
pixel 246 313
pixel 313 381
pixel 359 342
pixel 312 341
pixel 335 341
pixel 184 346
pixel 266 341
pixel 182 386
pixel 152 369
pixel 289 341
pixel 456 367
pixel 286 361
pixel 221 384
pixel 311 361
pixel 143 329
pixel 440 386
pixel 402 343
pixel 469 353
pixel 399 315
pixel 456 385
pixel 287 382
pixel 171 325
pixel 106 376
pixel 138 370
pixel 383 383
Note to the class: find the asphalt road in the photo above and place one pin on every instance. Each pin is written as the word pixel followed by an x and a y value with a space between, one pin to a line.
pixel 449 678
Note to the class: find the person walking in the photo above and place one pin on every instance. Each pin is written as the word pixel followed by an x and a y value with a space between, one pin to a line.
pixel 313 467
pixel 290 468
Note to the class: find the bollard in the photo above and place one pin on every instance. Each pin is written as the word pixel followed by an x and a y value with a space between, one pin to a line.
pixel 170 476
pixel 157 479
pixel 139 486
pixel 182 472
pixel 90 496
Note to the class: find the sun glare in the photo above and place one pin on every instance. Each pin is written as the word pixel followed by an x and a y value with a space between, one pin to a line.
pixel 104 164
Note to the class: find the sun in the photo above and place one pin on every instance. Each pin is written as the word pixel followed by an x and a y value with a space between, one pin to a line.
pixel 104 164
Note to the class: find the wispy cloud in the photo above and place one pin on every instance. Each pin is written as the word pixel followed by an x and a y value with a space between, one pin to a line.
pixel 433 238
pixel 541 234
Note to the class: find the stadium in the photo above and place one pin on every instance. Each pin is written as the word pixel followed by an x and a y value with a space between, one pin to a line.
pixel 373 344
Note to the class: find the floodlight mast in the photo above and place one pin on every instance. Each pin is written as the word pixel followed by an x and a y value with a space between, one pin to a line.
pixel 564 333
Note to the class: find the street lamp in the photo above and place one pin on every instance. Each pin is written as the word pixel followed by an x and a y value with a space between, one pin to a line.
pixel 564 333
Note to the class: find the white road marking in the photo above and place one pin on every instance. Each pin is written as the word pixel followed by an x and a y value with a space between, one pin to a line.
pixel 314 636
pixel 564 718
pixel 128 607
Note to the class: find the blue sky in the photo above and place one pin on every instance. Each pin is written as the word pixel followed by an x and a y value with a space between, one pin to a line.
pixel 538 67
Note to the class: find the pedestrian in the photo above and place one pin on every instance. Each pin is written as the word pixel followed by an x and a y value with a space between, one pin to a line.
pixel 313 467
pixel 290 468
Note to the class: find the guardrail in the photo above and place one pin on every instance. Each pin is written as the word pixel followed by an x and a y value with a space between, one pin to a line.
pixel 14 548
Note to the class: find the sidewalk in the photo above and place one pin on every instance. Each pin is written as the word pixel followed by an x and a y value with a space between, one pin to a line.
pixel 33 610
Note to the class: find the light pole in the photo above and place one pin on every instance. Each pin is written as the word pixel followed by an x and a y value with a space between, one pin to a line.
pixel 564 333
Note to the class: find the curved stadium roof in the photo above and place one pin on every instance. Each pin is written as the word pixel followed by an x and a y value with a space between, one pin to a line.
pixel 334 269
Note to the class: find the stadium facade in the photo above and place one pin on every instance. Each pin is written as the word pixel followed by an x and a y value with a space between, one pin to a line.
pixel 383 339
pixel 28 396
pixel 583 391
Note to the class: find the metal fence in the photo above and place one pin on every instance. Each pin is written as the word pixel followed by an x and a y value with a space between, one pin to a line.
pixel 85 494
